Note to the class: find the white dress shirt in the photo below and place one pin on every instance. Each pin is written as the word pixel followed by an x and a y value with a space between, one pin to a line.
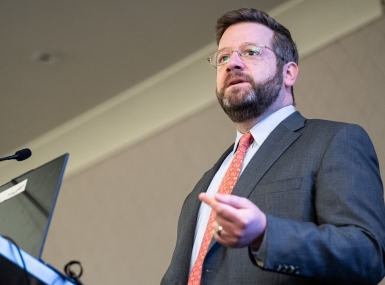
pixel 260 132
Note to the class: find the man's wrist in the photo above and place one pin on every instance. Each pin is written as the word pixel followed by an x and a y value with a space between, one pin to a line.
pixel 258 249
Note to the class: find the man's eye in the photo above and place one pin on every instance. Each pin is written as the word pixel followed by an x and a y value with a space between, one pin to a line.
pixel 223 58
pixel 251 52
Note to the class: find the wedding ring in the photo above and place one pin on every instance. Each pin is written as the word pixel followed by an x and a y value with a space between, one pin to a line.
pixel 219 229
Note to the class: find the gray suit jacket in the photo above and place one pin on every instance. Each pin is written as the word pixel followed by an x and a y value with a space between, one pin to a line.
pixel 319 184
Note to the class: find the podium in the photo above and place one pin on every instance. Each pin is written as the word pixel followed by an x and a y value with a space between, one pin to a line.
pixel 12 269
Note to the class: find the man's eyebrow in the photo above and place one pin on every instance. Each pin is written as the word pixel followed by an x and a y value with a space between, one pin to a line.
pixel 245 43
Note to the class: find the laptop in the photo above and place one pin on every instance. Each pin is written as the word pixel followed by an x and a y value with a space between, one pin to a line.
pixel 25 217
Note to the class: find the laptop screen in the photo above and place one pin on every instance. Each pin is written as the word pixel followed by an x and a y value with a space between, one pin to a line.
pixel 25 217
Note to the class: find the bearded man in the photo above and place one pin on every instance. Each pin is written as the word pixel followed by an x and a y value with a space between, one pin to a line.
pixel 293 201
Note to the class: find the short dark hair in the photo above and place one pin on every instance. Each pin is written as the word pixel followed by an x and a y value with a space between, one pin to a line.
pixel 282 44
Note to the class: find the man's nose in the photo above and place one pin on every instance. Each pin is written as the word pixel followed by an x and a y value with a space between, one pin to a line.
pixel 235 62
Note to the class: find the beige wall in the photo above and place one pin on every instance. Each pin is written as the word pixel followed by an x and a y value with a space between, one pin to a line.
pixel 119 217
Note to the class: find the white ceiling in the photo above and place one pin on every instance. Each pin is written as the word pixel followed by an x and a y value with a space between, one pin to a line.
pixel 101 48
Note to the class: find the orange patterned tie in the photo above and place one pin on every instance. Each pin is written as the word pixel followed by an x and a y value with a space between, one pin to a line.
pixel 226 187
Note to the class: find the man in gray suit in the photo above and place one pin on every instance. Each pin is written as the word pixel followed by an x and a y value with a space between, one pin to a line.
pixel 308 206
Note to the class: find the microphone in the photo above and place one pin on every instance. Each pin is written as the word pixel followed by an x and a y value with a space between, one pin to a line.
pixel 19 155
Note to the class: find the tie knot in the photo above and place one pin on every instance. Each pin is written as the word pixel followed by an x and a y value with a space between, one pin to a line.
pixel 245 141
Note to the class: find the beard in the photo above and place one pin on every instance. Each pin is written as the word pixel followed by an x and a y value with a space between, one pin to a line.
pixel 244 104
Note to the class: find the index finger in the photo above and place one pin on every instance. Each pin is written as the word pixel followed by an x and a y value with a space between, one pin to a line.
pixel 220 208
pixel 208 200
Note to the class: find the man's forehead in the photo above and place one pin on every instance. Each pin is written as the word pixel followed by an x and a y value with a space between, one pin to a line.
pixel 246 32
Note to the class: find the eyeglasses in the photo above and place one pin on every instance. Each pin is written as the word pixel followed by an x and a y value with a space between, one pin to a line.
pixel 247 52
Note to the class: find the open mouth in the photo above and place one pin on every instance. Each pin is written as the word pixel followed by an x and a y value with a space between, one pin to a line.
pixel 235 81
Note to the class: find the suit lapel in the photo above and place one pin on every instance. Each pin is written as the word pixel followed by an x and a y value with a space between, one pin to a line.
pixel 274 146
pixel 192 204
pixel 204 183
pixel 188 220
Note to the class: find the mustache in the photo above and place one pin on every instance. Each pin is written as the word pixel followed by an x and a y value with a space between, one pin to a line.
pixel 236 74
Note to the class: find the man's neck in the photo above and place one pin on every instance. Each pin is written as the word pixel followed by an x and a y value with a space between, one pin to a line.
pixel 246 126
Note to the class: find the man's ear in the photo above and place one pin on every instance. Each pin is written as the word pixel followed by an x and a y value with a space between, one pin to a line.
pixel 290 72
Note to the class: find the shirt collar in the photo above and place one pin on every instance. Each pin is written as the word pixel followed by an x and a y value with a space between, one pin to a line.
pixel 263 128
